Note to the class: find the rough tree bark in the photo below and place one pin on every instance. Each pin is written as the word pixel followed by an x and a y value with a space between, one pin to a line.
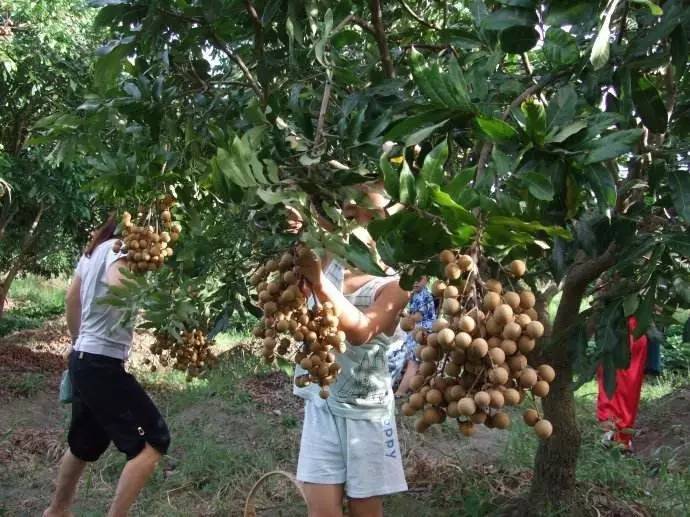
pixel 28 242
pixel 556 459
pixel 380 35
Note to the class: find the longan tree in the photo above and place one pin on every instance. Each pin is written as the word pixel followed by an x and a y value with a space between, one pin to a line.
pixel 554 132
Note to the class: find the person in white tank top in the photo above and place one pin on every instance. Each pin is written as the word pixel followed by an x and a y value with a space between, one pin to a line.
pixel 349 443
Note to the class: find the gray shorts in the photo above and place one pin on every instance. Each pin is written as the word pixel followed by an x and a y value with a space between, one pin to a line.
pixel 364 455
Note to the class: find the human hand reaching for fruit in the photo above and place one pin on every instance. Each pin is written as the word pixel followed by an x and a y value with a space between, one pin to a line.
pixel 294 221
pixel 309 267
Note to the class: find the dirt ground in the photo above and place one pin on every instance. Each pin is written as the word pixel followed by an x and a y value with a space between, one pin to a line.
pixel 33 431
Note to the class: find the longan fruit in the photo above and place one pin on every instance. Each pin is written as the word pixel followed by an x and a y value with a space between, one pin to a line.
pixel 467 324
pixel 503 314
pixel 501 420
pixel 467 406
pixel 452 369
pixel 478 348
pixel 453 271
pixel 438 289
pixel 427 368
pixel 408 410
pixel 497 356
pixel 517 362
pixel 417 400
pixel 535 329
pixel 452 409
pixel 543 428
pixel 465 262
pixel 526 344
pixel 467 428
pixel 546 373
pixel 434 397
pixel 522 320
pixel 518 268
pixel 531 417
pixel 497 399
pixel 482 399
pixel 513 299
pixel 527 299
pixel 463 340
pixel 432 415
pixel 417 382
pixel 541 389
pixel 532 313
pixel 493 285
pixel 509 346
pixel 429 353
pixel 511 396
pixel 528 377
pixel 478 418
pixel 498 375
pixel 451 306
pixel 439 325
pixel 421 426
pixel 512 331
pixel 446 256
pixel 451 292
pixel 491 301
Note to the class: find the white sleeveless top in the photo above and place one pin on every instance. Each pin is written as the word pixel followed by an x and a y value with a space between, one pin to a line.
pixel 362 390
pixel 101 331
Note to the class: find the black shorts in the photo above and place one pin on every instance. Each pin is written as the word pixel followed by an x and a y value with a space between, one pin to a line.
pixel 108 404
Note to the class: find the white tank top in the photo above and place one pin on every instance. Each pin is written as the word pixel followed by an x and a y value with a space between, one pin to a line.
pixel 101 331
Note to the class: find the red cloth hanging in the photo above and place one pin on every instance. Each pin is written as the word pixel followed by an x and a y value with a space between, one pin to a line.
pixel 621 408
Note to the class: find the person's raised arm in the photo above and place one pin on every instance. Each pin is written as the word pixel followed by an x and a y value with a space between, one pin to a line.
pixel 114 275
pixel 359 326
pixel 73 307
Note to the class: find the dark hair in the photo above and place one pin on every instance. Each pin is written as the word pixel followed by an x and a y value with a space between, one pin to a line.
pixel 102 234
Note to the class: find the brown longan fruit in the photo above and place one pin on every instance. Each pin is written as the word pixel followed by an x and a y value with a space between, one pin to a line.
pixel 497 356
pixel 512 299
pixel 467 324
pixel 497 399
pixel 494 341
pixel 446 337
pixel 511 396
pixel 429 353
pixel 503 314
pixel 532 313
pixel 479 417
pixel 531 417
pixel 509 346
pixel 467 428
pixel 535 329
pixel 451 306
pixel 417 382
pixel 408 410
pixel 452 369
pixel 528 377
pixel 439 325
pixel 438 289
pixel 494 285
pixel 493 327
pixel 421 426
pixel 451 292
pixel 522 320
pixel 491 301
pixel 543 428
pixel 416 401
pixel 512 331
pixel 452 409
pixel 457 392
pixel 453 271
pixel 501 420
pixel 434 397
pixel 446 256
pixel 517 362
pixel 541 389
pixel 432 415
pixel 463 340
pixel 498 375
pixel 546 373
pixel 432 339
pixel 467 406
pixel 482 399
pixel 465 262
pixel 478 348
pixel 457 356
pixel 518 268
pixel 527 299
pixel 526 344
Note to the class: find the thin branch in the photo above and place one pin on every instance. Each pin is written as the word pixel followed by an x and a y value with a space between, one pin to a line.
pixel 238 60
pixel 380 35
pixel 258 28
pixel 363 23
pixel 417 17
pixel 322 113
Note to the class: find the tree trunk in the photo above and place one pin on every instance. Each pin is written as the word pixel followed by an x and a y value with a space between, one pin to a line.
pixel 556 459
pixel 18 263
pixel 380 36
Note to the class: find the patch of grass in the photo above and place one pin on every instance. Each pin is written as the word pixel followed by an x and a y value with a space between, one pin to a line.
pixel 34 300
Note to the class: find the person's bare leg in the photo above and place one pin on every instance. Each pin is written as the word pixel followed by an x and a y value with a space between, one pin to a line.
pixel 134 476
pixel 71 469
pixel 324 500
pixel 369 507
pixel 410 371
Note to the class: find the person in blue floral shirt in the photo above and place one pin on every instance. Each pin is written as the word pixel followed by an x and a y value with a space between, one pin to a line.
pixel 402 362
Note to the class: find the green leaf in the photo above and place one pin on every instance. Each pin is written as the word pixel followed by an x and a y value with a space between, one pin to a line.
pixel 601 47
pixel 653 8
pixel 423 134
pixel 517 39
pixel 460 183
pixel 630 304
pixel 562 134
pixel 602 184
pixel 285 366
pixel 509 17
pixel 108 65
pixel 562 107
pixel 679 183
pixel 539 184
pixel 495 129
pixel 444 200
pixel 408 190
pixel 644 313
pixel 613 145
pixel 529 226
pixel 434 162
pixel 391 178
pixel 560 48
pixel 404 126
pixel 648 104
pixel 679 51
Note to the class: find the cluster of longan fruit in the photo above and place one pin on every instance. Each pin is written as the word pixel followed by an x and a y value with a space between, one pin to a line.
pixel 146 246
pixel 288 321
pixel 190 353
pixel 474 361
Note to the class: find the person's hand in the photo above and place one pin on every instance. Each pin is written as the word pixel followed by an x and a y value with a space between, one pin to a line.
pixel 309 266
pixel 294 221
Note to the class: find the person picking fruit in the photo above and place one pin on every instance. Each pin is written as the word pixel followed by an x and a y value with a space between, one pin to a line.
pixel 349 443
pixel 108 404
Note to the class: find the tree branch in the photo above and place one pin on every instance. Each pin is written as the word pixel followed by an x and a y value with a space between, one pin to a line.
pixel 318 135
pixel 220 44
pixel 258 28
pixel 380 35
pixel 417 17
